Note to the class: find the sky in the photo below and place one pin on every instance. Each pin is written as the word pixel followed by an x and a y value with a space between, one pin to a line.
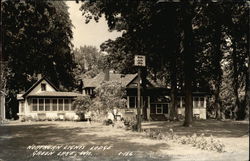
pixel 93 33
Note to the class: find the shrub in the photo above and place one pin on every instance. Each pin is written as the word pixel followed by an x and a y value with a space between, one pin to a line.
pixel 130 123
pixel 108 122
pixel 119 124
pixel 196 141
pixel 81 105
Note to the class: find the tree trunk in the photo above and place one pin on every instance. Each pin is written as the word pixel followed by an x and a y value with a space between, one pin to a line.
pixel 237 111
pixel 247 90
pixel 188 67
pixel 218 74
pixel 173 95
pixel 220 113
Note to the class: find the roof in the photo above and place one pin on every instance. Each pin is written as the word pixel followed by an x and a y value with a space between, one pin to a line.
pixel 125 79
pixel 55 94
pixel 35 84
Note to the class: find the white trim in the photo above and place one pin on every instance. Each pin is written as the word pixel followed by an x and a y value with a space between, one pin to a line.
pixel 128 102
pixel 205 102
pixel 161 107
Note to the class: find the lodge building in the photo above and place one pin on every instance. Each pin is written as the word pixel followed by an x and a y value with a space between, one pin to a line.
pixel 157 98
pixel 44 101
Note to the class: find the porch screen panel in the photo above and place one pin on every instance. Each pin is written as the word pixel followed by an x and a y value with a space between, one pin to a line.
pixel 196 102
pixel 47 104
pixel 202 102
pixel 145 101
pixel 165 108
pixel 60 108
pixel 132 102
pixel 66 105
pixel 178 102
pixel 41 104
pixel 70 104
pixel 152 108
pixel 183 102
pixel 54 104
pixel 34 105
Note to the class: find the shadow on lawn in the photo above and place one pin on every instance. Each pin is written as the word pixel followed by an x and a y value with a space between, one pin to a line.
pixel 16 139
pixel 208 127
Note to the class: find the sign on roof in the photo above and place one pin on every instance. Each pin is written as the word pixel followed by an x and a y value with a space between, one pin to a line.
pixel 140 60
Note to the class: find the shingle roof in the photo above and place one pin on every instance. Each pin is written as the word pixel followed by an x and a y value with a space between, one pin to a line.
pixel 96 81
pixel 56 94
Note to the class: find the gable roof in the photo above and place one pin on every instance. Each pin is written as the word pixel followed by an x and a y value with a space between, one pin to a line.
pixel 35 84
pixel 125 79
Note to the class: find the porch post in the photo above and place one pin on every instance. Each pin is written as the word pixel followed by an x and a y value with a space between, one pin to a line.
pixel 205 102
pixel 128 102
pixel 148 108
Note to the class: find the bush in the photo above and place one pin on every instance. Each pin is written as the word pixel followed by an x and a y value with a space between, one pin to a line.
pixel 196 141
pixel 130 123
pixel 81 105
pixel 119 124
pixel 108 122
pixel 26 118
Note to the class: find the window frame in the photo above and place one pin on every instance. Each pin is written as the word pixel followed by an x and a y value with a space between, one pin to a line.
pixel 43 87
pixel 157 107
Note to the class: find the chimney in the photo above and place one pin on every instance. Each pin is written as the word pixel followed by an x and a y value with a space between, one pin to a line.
pixel 106 75
pixel 39 76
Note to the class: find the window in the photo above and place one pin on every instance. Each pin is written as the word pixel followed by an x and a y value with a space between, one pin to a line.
pixel 34 105
pixel 47 104
pixel 159 109
pixel 54 104
pixel 43 87
pixel 66 104
pixel 165 108
pixel 60 101
pixel 41 104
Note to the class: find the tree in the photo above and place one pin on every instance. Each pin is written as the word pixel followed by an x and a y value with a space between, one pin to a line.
pixel 187 35
pixel 111 95
pixel 88 60
pixel 36 39
pixel 81 105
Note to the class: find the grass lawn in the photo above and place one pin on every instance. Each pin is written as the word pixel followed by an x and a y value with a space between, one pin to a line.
pixel 100 142
pixel 233 134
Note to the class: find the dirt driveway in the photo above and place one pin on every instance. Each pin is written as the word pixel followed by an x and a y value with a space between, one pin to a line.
pixel 73 141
